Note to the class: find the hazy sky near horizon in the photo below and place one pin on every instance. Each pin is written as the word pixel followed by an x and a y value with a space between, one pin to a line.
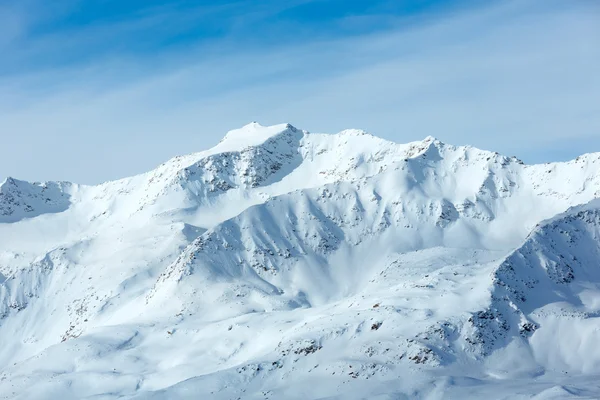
pixel 101 89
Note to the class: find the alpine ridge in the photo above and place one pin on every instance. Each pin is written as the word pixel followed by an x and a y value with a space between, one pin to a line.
pixel 285 264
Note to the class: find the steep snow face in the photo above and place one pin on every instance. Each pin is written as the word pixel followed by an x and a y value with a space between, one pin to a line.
pixel 291 264
pixel 550 284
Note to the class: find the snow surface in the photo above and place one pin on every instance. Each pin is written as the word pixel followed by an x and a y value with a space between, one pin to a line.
pixel 283 264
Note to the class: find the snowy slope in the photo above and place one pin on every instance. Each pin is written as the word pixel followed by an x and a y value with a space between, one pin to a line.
pixel 288 264
pixel 550 284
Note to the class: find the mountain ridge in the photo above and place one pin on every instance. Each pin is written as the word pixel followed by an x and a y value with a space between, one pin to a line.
pixel 281 257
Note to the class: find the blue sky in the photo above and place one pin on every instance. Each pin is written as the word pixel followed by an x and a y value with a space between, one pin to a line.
pixel 100 89
pixel 71 32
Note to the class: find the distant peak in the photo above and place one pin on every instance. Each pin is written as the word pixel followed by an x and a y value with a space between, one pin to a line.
pixel 12 183
pixel 9 181
pixel 426 146
pixel 432 139
pixel 291 127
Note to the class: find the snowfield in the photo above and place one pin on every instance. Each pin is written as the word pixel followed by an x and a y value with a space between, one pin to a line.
pixel 283 264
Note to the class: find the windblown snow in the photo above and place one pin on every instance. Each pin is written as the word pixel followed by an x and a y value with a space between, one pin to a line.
pixel 283 264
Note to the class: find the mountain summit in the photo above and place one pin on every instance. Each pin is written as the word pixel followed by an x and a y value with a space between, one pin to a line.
pixel 288 264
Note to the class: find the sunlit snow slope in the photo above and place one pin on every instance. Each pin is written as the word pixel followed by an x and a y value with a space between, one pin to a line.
pixel 284 264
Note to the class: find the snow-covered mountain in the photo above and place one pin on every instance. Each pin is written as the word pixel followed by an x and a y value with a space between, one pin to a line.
pixel 287 264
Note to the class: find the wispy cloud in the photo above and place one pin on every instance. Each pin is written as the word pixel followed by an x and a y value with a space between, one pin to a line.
pixel 518 77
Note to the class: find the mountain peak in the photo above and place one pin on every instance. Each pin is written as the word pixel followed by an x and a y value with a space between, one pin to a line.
pixel 21 199
pixel 431 139
pixel 11 184
pixel 8 181
pixel 251 134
